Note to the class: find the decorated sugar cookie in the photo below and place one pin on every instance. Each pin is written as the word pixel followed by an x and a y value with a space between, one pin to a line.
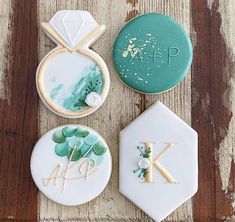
pixel 71 164
pixel 158 169
pixel 152 53
pixel 73 80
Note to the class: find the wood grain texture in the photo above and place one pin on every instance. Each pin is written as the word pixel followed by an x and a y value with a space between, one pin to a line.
pixel 18 108
pixel 226 152
pixel 212 110
pixel 121 107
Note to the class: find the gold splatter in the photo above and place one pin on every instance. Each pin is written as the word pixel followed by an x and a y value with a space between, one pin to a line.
pixel 125 53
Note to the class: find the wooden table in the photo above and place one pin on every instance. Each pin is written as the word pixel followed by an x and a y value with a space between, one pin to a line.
pixel 205 99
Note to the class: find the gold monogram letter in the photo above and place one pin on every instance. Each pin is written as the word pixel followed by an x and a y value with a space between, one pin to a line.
pixel 160 167
pixel 162 170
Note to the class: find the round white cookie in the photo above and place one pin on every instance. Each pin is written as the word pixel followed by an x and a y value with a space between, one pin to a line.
pixel 71 164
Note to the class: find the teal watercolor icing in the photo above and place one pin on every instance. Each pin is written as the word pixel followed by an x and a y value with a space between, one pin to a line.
pixel 91 81
pixel 79 143
pixel 55 91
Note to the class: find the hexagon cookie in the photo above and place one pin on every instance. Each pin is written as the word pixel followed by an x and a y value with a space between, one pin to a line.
pixel 158 161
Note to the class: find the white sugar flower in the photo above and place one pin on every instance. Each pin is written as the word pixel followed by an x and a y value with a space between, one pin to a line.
pixel 144 163
pixel 93 99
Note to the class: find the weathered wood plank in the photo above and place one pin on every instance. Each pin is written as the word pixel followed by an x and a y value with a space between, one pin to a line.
pixel 213 107
pixel 18 108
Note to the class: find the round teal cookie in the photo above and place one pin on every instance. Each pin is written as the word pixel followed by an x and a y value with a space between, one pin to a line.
pixel 152 53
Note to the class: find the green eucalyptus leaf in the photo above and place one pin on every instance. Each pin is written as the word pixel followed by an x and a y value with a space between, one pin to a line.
pixel 68 131
pixel 91 139
pixel 99 148
pixel 84 150
pixel 58 137
pixel 81 133
pixel 75 141
pixel 62 149
pixel 74 154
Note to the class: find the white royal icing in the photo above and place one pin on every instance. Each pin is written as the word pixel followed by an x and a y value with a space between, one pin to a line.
pixel 73 25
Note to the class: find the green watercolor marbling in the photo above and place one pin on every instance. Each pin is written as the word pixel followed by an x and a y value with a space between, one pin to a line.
pixel 91 81
pixel 55 91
